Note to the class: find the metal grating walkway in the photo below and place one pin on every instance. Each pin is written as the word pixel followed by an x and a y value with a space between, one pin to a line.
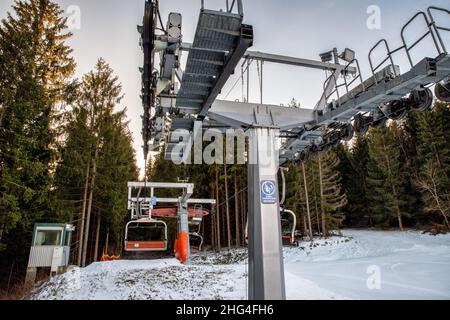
pixel 427 71
pixel 220 42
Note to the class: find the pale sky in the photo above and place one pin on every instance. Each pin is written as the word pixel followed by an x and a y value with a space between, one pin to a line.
pixel 298 28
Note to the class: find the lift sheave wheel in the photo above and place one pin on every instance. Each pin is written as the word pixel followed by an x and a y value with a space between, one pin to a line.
pixel 325 147
pixel 347 132
pixel 398 109
pixel 361 124
pixel 313 151
pixel 379 123
pixel 421 100
pixel 442 91
pixel 303 155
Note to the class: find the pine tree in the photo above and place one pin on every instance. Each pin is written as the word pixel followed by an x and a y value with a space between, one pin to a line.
pixel 386 176
pixel 97 161
pixel 412 162
pixel 35 66
pixel 116 166
pixel 314 196
pixel 433 134
pixel 297 196
pixel 33 40
pixel 25 180
pixel 42 27
pixel 307 201
pixel 332 197
pixel 434 184
pixel 433 152
pixel 227 205
pixel 25 157
pixel 353 168
pixel 36 35
pixel 72 168
pixel 218 209
pixel 237 214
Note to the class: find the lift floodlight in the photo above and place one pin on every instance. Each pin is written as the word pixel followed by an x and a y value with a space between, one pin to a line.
pixel 348 55
pixel 326 56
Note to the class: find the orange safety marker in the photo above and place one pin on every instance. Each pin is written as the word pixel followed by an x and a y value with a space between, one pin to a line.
pixel 106 257
pixel 181 247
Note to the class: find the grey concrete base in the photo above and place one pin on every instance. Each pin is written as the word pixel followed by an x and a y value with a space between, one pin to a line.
pixel 30 277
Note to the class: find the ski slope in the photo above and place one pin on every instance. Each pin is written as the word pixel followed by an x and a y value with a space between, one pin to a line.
pixel 359 265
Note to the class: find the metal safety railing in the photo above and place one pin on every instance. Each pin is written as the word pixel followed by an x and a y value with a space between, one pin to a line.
pixel 332 77
pixel 388 58
pixel 346 83
pixel 433 30
pixel 356 76
pixel 426 34
pixel 198 211
pixel 231 5
pixel 436 27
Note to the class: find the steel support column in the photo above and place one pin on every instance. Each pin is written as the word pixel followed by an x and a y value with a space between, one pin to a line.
pixel 266 270
pixel 184 221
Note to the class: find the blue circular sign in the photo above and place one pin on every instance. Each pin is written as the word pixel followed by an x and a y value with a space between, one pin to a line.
pixel 268 192
pixel 268 188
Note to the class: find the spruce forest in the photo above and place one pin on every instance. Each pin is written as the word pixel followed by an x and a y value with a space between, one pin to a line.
pixel 67 153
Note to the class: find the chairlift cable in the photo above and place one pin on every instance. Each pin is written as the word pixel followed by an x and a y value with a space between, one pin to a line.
pixel 237 81
pixel 159 17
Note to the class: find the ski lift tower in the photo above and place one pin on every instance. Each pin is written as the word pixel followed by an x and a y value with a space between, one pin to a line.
pixel 348 104
pixel 141 206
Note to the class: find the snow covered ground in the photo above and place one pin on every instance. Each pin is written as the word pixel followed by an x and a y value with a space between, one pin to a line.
pixel 360 265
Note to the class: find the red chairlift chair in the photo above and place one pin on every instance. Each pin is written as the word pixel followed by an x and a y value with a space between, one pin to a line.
pixel 146 234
